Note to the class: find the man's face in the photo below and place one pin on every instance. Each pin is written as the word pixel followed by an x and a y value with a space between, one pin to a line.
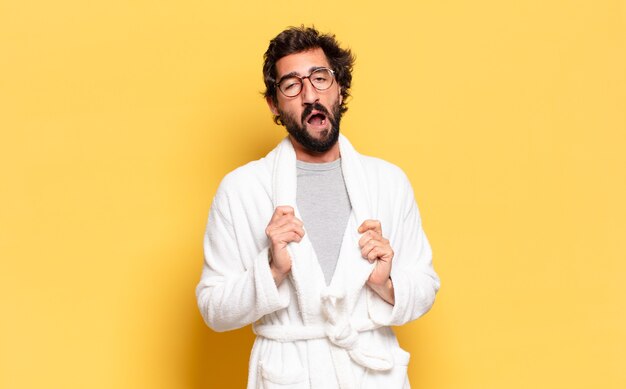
pixel 312 117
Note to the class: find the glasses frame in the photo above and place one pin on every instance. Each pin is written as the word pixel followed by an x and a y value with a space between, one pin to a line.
pixel 301 78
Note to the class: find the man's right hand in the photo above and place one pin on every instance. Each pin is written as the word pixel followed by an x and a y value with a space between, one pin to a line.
pixel 282 229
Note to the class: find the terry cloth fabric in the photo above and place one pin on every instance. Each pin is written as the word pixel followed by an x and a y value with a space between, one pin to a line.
pixel 310 334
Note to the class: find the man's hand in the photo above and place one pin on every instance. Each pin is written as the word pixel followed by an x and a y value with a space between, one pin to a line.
pixel 282 229
pixel 375 248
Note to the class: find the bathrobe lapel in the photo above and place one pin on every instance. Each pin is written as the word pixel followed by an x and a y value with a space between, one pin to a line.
pixel 352 270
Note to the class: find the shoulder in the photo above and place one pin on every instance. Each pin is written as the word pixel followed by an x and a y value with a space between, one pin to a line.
pixel 391 184
pixel 248 186
pixel 385 171
pixel 241 191
pixel 246 182
pixel 374 167
pixel 246 175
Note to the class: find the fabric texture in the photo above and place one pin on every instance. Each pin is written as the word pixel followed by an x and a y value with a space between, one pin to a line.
pixel 309 334
pixel 323 202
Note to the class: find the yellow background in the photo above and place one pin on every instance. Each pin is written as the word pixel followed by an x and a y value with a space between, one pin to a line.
pixel 119 118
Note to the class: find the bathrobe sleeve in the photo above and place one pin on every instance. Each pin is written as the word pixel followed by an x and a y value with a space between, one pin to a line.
pixel 414 279
pixel 235 288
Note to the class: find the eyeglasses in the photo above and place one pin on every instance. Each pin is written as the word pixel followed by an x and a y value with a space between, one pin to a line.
pixel 320 78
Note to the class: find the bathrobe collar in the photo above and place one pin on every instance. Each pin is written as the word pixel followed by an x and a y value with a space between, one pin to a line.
pixel 320 303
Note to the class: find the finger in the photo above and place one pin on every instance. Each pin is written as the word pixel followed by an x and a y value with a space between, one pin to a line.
pixel 289 219
pixel 282 226
pixel 373 255
pixel 371 225
pixel 286 220
pixel 282 210
pixel 364 240
pixel 285 210
pixel 290 236
pixel 369 247
pixel 286 229
pixel 385 254
pixel 367 236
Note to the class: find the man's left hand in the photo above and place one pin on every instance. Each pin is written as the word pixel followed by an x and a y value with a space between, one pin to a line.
pixel 375 248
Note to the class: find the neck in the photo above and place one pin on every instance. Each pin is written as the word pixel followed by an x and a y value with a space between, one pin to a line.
pixel 305 155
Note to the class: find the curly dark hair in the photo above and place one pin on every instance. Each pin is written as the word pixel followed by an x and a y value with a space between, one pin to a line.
pixel 298 39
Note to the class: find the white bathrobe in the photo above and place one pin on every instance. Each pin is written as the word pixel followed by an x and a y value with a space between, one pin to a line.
pixel 310 335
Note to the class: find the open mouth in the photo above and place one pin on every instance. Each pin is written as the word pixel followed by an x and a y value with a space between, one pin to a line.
pixel 317 119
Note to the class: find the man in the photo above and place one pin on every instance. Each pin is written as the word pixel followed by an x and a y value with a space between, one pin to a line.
pixel 320 248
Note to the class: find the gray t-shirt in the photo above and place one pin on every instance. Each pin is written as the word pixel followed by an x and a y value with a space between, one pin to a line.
pixel 325 207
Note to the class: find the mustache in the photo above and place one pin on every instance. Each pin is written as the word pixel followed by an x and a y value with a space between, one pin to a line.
pixel 315 106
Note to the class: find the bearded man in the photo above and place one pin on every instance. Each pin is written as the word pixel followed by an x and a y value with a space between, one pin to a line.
pixel 320 248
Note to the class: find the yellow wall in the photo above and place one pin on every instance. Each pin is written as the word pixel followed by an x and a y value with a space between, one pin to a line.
pixel 119 118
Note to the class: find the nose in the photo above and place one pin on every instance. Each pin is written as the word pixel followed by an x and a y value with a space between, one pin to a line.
pixel 309 93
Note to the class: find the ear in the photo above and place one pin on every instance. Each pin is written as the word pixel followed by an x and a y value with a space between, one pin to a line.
pixel 271 105
pixel 340 96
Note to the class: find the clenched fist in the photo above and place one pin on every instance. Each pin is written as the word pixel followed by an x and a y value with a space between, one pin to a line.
pixel 375 248
pixel 282 229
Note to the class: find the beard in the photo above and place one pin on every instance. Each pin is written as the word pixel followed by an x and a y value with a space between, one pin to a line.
pixel 327 139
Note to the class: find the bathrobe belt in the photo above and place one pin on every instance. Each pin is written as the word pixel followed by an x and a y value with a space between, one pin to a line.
pixel 343 335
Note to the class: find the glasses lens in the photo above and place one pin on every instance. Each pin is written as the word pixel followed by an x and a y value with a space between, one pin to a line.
pixel 290 86
pixel 321 79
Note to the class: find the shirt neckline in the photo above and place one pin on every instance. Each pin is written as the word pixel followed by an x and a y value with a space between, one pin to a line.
pixel 323 166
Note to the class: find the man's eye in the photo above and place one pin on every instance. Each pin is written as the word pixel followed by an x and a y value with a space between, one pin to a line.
pixel 289 84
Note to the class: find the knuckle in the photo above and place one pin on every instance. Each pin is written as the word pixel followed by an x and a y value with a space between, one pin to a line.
pixel 283 209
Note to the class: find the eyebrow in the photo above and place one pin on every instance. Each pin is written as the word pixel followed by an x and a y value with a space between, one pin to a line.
pixel 294 73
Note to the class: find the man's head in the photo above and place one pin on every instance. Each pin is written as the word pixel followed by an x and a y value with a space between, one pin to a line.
pixel 307 79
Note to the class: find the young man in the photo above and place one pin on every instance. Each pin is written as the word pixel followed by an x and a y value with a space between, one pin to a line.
pixel 320 248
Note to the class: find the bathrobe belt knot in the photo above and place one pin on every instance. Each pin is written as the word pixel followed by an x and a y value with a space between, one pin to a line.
pixel 339 330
